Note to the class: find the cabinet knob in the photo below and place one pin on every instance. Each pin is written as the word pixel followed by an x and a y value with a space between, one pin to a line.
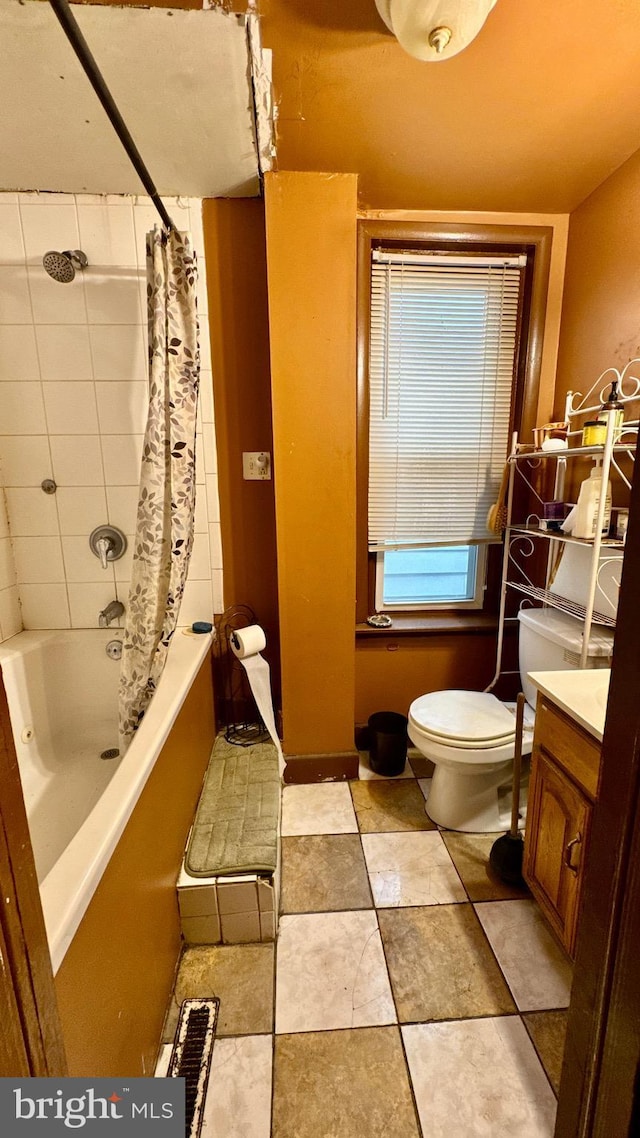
pixel 568 853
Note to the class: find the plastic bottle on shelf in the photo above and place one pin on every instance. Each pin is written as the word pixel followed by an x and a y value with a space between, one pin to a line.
pixel 588 504
pixel 613 408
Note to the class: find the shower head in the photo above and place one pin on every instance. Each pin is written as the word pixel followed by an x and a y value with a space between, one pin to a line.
pixel 62 266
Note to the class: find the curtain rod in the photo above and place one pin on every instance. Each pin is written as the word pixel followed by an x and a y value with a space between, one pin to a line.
pixel 94 75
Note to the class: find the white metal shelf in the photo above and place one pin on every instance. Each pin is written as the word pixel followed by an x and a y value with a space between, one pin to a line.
pixel 574 452
pixel 557 535
pixel 611 453
pixel 563 604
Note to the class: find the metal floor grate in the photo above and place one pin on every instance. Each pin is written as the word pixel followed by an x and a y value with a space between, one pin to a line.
pixel 191 1056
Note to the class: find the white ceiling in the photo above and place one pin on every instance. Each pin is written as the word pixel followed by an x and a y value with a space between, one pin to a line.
pixel 181 80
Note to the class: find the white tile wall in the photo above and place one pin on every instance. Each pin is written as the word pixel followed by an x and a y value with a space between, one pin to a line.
pixel 10 615
pixel 79 506
pixel 73 387
pixel 38 560
pixel 26 459
pixel 51 304
pixel 18 353
pixel 15 302
pixel 45 606
pixel 121 455
pixel 31 513
pixel 7 565
pixel 10 612
pixel 22 409
pixel 64 350
pixel 70 408
pixel 11 229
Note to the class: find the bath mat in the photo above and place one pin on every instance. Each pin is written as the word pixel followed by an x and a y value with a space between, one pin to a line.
pixel 191 1056
pixel 235 829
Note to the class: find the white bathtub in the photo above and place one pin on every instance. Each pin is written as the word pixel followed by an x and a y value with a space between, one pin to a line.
pixel 62 692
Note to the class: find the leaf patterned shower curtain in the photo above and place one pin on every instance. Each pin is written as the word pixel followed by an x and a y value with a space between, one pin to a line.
pixel 164 528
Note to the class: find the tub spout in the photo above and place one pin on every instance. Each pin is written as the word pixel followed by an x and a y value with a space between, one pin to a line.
pixel 111 612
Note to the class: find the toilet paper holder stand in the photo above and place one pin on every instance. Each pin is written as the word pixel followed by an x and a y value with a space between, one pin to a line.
pixel 243 724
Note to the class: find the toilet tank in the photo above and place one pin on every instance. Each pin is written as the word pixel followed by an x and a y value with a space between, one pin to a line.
pixel 551 641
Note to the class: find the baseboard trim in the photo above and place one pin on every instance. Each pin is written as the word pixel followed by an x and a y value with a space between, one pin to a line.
pixel 321 768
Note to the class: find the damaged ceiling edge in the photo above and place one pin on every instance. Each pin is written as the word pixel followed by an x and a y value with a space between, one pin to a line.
pixel 205 127
pixel 262 84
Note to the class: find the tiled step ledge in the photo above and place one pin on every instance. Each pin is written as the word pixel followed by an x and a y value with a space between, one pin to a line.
pixel 229 910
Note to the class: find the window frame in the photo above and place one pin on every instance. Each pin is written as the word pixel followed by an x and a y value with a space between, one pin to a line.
pixel 475 602
pixel 535 242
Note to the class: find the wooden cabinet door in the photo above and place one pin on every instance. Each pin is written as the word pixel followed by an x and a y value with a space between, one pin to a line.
pixel 557 830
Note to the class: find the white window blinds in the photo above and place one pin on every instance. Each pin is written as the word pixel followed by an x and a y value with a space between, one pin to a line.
pixel 442 354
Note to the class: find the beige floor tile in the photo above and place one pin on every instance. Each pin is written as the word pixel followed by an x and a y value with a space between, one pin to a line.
pixel 421 767
pixel 162 1064
pixel 385 807
pixel 470 853
pixel 241 975
pixel 323 873
pixel 537 970
pixel 238 1102
pixel 318 808
pixel 548 1031
pixel 331 973
pixel 440 964
pixel 411 869
pixel 342 1084
pixel 366 773
pixel 425 786
pixel 478 1078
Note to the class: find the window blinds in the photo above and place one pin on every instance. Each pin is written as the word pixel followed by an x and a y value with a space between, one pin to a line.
pixel 442 353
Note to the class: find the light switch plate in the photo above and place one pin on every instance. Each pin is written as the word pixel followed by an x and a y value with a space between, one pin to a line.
pixel 256 465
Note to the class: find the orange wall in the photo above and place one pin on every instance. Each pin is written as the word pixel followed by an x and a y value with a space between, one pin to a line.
pixel 235 245
pixel 601 310
pixel 392 672
pixel 311 260
pixel 115 982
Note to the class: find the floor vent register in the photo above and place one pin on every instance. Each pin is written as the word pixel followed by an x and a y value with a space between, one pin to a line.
pixel 191 1056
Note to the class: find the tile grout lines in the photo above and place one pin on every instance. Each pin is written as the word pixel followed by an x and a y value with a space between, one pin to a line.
pixel 468 900
pixel 399 1025
pixel 391 985
pixel 520 1015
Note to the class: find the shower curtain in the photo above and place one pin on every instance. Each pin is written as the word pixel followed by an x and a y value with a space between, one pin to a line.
pixel 164 527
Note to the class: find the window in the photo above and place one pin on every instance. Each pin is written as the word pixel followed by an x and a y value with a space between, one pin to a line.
pixel 442 356
pixel 442 576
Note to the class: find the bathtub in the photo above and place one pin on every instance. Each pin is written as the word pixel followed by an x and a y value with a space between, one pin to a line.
pixel 62 692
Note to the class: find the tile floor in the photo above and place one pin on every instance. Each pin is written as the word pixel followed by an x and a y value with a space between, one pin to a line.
pixel 409 995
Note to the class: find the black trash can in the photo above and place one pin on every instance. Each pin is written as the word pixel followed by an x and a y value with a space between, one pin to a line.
pixel 388 742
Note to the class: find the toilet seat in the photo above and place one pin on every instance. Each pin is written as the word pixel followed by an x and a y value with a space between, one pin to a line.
pixel 463 719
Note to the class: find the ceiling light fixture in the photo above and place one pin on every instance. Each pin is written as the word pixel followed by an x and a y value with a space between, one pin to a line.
pixel 433 30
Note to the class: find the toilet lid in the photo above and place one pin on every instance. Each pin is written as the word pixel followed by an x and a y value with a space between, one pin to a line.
pixel 466 716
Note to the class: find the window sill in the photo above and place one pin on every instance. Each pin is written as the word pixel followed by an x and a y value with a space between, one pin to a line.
pixel 431 624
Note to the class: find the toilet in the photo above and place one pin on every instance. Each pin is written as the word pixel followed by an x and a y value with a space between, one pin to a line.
pixel 470 736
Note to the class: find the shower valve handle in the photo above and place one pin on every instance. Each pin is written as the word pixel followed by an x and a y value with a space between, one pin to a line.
pixel 104 545
pixel 108 543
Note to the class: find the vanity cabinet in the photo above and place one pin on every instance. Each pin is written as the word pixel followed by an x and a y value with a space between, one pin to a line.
pixel 565 766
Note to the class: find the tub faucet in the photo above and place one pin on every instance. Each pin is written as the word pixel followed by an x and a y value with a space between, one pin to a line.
pixel 110 612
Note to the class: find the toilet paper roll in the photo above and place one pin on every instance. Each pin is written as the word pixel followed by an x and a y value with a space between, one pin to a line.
pixel 246 644
pixel 248 641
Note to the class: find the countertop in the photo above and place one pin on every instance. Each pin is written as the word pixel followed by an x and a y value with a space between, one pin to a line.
pixel 581 694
